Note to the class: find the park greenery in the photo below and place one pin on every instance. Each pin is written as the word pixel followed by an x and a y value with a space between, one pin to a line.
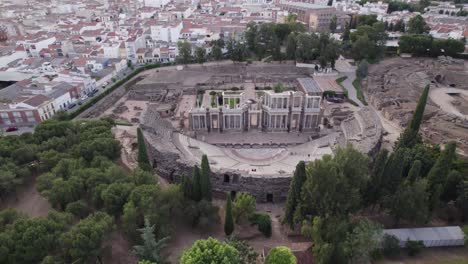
pixel 74 162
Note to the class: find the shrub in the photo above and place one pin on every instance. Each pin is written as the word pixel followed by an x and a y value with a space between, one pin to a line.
pixel 280 255
pixel 263 222
pixel 414 247
pixel 243 207
pixel 390 245
pixel 465 231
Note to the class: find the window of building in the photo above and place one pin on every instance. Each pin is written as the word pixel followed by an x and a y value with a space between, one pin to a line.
pixel 226 178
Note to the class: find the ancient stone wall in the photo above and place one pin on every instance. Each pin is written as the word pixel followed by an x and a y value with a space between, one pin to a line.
pixel 169 165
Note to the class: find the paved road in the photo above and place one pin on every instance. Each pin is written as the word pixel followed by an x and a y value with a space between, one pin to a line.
pixel 346 69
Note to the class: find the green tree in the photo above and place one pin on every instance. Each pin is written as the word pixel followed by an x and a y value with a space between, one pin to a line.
pixel 329 236
pixel 390 245
pixel 228 219
pixel 150 250
pixel 217 52
pixel 333 22
pixel 451 184
pixel 186 187
pixel 143 161
pixel 291 47
pixel 243 207
pixel 250 35
pixel 334 184
pixel 28 240
pixel 196 183
pixel 130 219
pixel 294 194
pixel 210 251
pixel 115 196
pixel 417 25
pixel 375 187
pixel 362 240
pixel 462 199
pixel 200 54
pixel 438 175
pixel 185 52
pixel 84 242
pixel 280 255
pixel 205 179
pixel 410 135
pixel 247 254
pixel 410 202
pixel 362 69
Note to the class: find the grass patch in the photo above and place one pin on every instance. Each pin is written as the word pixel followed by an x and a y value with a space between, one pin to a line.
pixel 340 81
pixel 123 123
pixel 360 94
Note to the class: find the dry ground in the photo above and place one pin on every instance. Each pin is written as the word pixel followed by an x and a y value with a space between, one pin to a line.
pixel 27 200
pixel 432 256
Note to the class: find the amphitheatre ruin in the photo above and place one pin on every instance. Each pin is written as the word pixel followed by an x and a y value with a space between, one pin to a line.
pixel 255 122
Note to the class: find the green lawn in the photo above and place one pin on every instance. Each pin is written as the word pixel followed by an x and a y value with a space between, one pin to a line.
pixel 360 94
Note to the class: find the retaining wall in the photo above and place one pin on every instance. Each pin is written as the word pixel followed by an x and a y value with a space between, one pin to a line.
pixel 170 166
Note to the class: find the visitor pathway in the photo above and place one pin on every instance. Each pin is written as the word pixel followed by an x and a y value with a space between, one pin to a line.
pixel 346 69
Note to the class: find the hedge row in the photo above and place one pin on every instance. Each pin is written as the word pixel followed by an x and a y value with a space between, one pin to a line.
pixel 116 85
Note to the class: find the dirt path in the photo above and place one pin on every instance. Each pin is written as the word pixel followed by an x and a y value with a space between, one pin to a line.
pixel 393 130
pixel 27 200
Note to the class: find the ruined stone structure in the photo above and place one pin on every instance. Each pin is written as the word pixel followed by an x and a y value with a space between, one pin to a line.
pixel 253 137
pixel 266 110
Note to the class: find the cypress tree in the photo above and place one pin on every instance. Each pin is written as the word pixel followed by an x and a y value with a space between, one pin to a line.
pixel 228 220
pixel 415 171
pixel 410 136
pixel 454 179
pixel 143 161
pixel 294 194
pixel 419 112
pixel 374 188
pixel 462 199
pixel 186 187
pixel 393 172
pixel 205 179
pixel 437 176
pixel 196 183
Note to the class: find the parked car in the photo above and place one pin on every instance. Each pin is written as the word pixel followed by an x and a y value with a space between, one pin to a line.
pixel 84 97
pixel 11 129
pixel 92 93
pixel 70 106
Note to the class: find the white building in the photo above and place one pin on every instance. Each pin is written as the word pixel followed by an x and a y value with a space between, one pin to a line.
pixel 33 46
pixel 166 32
pixel 156 3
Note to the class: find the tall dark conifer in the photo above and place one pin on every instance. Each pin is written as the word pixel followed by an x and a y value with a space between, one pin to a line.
pixel 294 194
pixel 205 179
pixel 438 174
pixel 410 136
pixel 228 220
pixel 143 161
pixel 415 171
pixel 374 188
pixel 196 183
pixel 186 187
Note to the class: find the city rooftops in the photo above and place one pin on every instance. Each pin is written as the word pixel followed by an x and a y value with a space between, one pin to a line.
pixel 304 5
pixel 309 86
